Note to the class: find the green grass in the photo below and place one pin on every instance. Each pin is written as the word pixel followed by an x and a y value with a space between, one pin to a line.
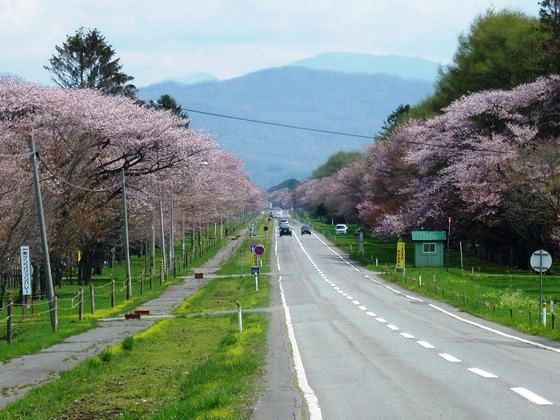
pixel 195 368
pixel 180 368
pixel 222 293
pixel 33 333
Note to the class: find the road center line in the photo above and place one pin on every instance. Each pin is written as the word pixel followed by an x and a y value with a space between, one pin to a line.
pixel 381 320
pixel 482 373
pixel 407 335
pixel 425 344
pixel 371 314
pixel 531 396
pixel 392 327
pixel 449 358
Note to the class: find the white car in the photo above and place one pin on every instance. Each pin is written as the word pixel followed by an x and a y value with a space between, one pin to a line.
pixel 341 229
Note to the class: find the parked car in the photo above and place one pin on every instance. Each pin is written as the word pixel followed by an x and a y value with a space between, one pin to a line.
pixel 285 230
pixel 341 229
pixel 306 229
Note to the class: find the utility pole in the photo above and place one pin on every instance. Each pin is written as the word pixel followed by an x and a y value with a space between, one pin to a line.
pixel 162 231
pixel 153 249
pixel 126 245
pixel 171 237
pixel 43 231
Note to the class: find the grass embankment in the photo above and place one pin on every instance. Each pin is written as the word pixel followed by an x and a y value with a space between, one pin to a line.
pixel 501 294
pixel 33 332
pixel 197 368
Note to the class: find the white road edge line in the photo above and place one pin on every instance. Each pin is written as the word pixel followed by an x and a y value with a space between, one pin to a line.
pixel 482 373
pixel 492 330
pixel 309 395
pixel 531 396
pixel 449 358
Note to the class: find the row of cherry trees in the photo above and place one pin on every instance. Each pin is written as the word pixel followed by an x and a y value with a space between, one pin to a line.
pixel 491 162
pixel 84 139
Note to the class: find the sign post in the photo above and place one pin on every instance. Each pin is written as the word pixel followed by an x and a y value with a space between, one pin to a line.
pixel 400 265
pixel 541 261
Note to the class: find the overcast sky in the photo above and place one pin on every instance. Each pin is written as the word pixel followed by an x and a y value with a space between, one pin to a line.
pixel 164 39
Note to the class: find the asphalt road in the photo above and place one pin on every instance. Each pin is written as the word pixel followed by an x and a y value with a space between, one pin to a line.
pixel 366 349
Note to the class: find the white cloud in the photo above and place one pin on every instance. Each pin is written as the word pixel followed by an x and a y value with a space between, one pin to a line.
pixel 167 38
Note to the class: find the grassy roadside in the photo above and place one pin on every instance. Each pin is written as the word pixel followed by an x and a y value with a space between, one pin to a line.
pixel 198 368
pixel 33 332
pixel 507 296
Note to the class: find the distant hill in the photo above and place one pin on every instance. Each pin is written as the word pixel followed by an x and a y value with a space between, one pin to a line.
pixel 406 67
pixel 194 78
pixel 327 100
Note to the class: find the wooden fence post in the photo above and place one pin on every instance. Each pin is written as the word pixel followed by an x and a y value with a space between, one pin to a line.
pixel 9 321
pixel 55 315
pixel 92 297
pixel 81 306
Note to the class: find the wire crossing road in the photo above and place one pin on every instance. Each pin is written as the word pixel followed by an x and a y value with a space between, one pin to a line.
pixel 365 349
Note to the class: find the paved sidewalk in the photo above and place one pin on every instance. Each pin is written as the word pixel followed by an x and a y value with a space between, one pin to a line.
pixel 20 375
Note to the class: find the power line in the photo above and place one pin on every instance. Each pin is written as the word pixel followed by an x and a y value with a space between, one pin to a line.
pixel 337 133
pixel 275 124
pixel 96 190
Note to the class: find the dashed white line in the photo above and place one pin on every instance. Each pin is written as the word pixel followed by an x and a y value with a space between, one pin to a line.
pixel 363 308
pixel 482 373
pixel 392 327
pixel 449 358
pixel 531 396
pixel 349 297
pixel 380 320
pixel 355 302
pixel 371 314
pixel 407 335
pixel 425 344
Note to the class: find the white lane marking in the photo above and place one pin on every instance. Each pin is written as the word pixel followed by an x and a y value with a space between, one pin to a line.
pixel 407 335
pixel 492 330
pixel 355 302
pixel 449 358
pixel 336 253
pixel 414 298
pixel 309 395
pixel 482 373
pixel 375 281
pixel 363 308
pixel 370 314
pixel 338 288
pixel 531 396
pixel 425 344
pixel 344 294
pixel 380 320
pixel 392 327
pixel 349 297
pixel 340 291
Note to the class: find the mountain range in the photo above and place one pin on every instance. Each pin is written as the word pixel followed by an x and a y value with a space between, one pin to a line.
pixel 349 101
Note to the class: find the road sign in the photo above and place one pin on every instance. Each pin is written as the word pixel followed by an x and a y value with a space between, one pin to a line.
pixel 255 269
pixel 259 250
pixel 253 246
pixel 541 261
pixel 25 271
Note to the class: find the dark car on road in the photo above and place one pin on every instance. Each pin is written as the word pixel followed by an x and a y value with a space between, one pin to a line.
pixel 285 230
pixel 306 229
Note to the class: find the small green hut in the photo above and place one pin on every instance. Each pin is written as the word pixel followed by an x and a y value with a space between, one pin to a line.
pixel 428 247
